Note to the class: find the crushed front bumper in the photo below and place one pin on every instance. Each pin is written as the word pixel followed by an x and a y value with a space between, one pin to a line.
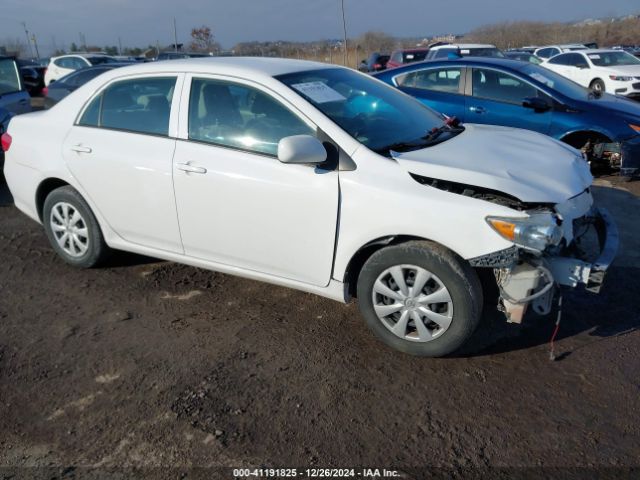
pixel 572 271
pixel 532 280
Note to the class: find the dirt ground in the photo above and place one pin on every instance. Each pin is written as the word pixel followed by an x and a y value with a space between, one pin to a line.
pixel 149 364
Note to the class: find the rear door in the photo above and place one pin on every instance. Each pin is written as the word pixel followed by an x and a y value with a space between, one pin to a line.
pixel 120 151
pixel 496 98
pixel 237 204
pixel 441 88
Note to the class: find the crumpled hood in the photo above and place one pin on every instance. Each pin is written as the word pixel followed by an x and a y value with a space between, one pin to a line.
pixel 527 165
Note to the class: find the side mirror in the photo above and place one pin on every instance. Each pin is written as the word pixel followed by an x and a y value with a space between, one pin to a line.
pixel 536 103
pixel 301 149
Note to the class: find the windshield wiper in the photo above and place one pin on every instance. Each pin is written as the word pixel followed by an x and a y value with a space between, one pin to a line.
pixel 437 131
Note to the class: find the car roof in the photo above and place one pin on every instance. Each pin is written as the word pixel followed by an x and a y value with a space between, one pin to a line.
pixel 464 45
pixel 506 63
pixel 249 67
pixel 601 50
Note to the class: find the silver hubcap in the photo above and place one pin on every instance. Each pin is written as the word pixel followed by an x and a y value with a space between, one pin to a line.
pixel 597 87
pixel 69 229
pixel 412 303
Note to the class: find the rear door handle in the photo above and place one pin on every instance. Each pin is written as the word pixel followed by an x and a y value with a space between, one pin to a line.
pixel 477 109
pixel 186 167
pixel 81 149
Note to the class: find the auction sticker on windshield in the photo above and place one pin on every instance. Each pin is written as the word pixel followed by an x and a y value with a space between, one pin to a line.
pixel 319 92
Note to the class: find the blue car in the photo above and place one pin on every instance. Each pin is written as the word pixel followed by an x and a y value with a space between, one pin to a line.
pixel 523 95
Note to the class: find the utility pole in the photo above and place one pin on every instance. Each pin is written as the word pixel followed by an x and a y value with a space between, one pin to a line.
pixel 26 32
pixel 119 46
pixel 35 44
pixel 175 35
pixel 344 29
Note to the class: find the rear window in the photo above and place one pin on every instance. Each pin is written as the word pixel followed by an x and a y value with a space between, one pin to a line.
pixel 141 105
pixel 410 57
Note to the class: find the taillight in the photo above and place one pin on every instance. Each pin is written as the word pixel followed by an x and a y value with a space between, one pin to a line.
pixel 5 140
pixel 45 91
pixel 376 65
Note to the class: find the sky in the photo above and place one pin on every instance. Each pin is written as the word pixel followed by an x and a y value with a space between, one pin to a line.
pixel 144 22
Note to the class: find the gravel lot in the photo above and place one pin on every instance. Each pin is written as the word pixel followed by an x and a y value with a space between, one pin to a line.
pixel 153 364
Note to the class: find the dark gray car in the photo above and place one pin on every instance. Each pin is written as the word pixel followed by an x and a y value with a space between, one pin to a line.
pixel 67 84
pixel 13 96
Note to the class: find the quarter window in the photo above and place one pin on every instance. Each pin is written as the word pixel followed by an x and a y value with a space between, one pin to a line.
pixel 235 115
pixel 501 87
pixel 140 105
pixel 440 80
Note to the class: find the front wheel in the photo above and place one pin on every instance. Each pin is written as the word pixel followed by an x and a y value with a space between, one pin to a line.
pixel 72 229
pixel 420 298
pixel 597 86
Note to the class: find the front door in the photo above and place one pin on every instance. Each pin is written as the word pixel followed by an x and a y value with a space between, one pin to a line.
pixel 237 204
pixel 121 153
pixel 497 100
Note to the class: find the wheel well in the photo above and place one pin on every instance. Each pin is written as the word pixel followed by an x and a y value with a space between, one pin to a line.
pixel 361 256
pixel 580 139
pixel 44 189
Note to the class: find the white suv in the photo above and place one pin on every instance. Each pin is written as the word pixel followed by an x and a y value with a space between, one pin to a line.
pixel 315 177
pixel 65 64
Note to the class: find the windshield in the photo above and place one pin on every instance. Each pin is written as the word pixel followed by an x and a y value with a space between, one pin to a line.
pixel 100 60
pixel 556 81
pixel 612 59
pixel 375 114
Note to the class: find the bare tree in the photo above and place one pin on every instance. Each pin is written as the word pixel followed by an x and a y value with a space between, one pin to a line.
pixel 202 40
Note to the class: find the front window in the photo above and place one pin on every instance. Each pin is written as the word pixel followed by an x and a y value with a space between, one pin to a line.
pixel 9 76
pixel 141 105
pixel 376 115
pixel 501 87
pixel 612 59
pixel 238 116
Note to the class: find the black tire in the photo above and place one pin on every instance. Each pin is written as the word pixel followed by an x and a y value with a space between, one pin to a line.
pixel 97 250
pixel 455 274
pixel 597 86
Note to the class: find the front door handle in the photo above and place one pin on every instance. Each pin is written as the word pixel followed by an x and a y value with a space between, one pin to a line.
pixel 477 109
pixel 81 149
pixel 186 167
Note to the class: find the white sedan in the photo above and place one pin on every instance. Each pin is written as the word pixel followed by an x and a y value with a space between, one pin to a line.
pixel 65 64
pixel 314 177
pixel 611 71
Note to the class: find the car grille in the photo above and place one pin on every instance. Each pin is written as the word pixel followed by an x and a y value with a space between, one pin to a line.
pixel 636 85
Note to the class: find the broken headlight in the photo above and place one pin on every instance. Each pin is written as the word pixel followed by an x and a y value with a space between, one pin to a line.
pixel 528 233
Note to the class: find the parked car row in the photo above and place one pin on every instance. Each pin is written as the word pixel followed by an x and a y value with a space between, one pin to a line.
pixel 323 179
pixel 518 94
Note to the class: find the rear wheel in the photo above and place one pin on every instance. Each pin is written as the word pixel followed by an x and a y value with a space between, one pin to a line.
pixel 72 229
pixel 420 298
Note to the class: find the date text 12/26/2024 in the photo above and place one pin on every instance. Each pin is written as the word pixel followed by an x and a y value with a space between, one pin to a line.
pixel 240 473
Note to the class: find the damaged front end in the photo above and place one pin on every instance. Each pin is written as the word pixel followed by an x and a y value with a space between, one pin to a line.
pixel 573 244
pixel 623 156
